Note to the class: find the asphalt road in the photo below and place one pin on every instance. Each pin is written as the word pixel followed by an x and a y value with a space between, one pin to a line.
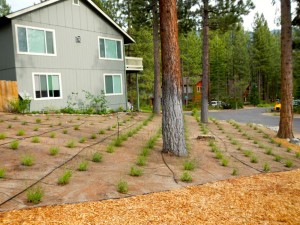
pixel 253 115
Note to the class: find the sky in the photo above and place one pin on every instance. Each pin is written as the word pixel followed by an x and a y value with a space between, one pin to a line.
pixel 271 13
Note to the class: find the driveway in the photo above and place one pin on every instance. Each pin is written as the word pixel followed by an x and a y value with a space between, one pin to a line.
pixel 253 115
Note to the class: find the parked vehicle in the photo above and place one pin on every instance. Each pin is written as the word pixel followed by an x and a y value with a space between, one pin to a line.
pixel 216 103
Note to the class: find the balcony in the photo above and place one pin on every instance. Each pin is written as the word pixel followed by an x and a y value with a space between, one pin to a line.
pixel 134 64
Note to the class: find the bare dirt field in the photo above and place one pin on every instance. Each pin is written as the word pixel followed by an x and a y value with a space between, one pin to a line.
pixel 238 150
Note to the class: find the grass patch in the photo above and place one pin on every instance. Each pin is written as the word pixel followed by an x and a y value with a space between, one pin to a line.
pixel 2 136
pixel 141 160
pixel 288 163
pixel 109 128
pixel 110 149
pixel 136 172
pixel 76 127
pixel 53 151
pixel 247 153
pixel 38 120
pixel 269 151
pixel 2 172
pixel 35 194
pixel 27 160
pixel 297 155
pixel 278 158
pixel 71 144
pixel 254 159
pixel 288 149
pixel 255 142
pixel 117 142
pixel 186 177
pixel 82 140
pixel 189 165
pixel 82 166
pixel 35 140
pixel 36 128
pixel 9 126
pixel 24 123
pixel 145 151
pixel 234 172
pixel 234 142
pixel 279 144
pixel 14 144
pixel 65 131
pixel 266 167
pixel 65 177
pixel 122 187
pixel 93 136
pixel 20 133
pixel 97 157
pixel 224 162
pixel 52 135
pixel 101 131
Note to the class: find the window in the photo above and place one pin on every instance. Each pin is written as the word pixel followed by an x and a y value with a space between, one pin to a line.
pixel 198 89
pixel 47 86
pixel 110 48
pixel 76 2
pixel 113 84
pixel 36 41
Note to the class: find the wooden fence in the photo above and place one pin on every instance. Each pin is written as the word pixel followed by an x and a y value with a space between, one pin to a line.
pixel 8 91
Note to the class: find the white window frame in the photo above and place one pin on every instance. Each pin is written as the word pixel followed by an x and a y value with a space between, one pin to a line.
pixel 113 74
pixel 46 98
pixel 113 39
pixel 36 28
pixel 198 89
pixel 75 3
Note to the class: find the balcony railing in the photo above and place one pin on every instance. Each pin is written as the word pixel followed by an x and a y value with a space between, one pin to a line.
pixel 134 64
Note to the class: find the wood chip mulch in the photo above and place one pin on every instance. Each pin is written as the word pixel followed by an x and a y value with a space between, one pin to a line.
pixel 261 199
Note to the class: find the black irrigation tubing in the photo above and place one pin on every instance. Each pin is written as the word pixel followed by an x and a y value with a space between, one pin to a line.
pixel 231 154
pixel 163 158
pixel 61 165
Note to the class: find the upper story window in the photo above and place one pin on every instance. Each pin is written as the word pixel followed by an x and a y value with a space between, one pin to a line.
pixel 110 49
pixel 47 86
pixel 76 2
pixel 35 41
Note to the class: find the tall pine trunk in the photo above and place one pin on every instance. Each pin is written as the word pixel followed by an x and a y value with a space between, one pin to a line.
pixel 157 86
pixel 286 112
pixel 205 65
pixel 172 121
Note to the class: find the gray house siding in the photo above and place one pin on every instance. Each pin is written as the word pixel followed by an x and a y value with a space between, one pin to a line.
pixel 7 61
pixel 77 63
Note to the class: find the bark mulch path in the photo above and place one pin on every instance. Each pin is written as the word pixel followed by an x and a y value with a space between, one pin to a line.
pixel 260 199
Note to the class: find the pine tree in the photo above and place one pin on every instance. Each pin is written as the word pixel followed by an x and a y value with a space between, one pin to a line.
pixel 4 8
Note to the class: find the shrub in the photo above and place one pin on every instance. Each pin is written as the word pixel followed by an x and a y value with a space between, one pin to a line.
pixel 65 131
pixel 83 166
pixel 122 187
pixel 288 163
pixel 224 162
pixel 141 160
pixel 14 144
pixel 76 127
pixel 2 172
pixel 234 172
pixel 186 177
pixel 27 160
pixel 2 136
pixel 253 159
pixel 35 195
pixel 82 140
pixel 20 133
pixel 297 155
pixel 234 142
pixel 35 140
pixel 93 136
pixel 24 123
pixel 130 133
pixel 136 172
pixel 38 120
pixel 266 167
pixel 110 149
pixel 52 135
pixel 247 153
pixel 288 149
pixel 71 144
pixel 117 142
pixel 269 151
pixel 278 158
pixel 102 132
pixel 145 151
pixel 189 165
pixel 65 177
pixel 279 144
pixel 53 151
pixel 9 126
pixel 35 128
pixel 97 157
pixel 109 128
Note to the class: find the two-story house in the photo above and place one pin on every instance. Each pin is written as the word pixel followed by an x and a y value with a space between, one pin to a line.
pixel 62 46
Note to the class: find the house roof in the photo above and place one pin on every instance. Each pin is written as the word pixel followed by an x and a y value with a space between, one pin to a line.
pixel 127 38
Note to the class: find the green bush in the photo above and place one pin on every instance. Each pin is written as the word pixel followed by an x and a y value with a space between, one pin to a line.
pixel 83 166
pixel 35 140
pixel 189 165
pixel 53 151
pixel 27 160
pixel 35 195
pixel 136 172
pixel 2 172
pixel 141 160
pixel 97 157
pixel 122 187
pixel 14 144
pixel 266 167
pixel 186 177
pixel 65 177
pixel 2 136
